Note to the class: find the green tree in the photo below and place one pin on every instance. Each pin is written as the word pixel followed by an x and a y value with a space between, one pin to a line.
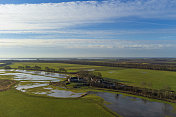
pixel 37 68
pixel 20 67
pixel 7 67
pixel 90 76
pixel 27 67
pixel 47 69
pixel 62 70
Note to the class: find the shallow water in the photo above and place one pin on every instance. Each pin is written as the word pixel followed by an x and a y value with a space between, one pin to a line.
pixel 42 73
pixel 62 93
pixel 39 79
pixel 91 70
pixel 31 77
pixel 128 106
pixel 28 86
pixel 111 72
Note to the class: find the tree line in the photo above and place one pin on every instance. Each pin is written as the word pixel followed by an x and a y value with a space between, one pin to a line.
pixel 95 79
pixel 47 69
pixel 163 67
pixel 151 66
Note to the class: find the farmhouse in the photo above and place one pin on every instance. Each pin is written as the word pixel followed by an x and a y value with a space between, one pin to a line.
pixel 75 79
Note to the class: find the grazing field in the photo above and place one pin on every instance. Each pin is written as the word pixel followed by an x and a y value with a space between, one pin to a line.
pixel 56 66
pixel 68 67
pixel 16 104
pixel 136 77
pixel 19 104
pixel 144 78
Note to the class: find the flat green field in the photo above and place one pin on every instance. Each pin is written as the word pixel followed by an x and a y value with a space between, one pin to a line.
pixel 16 104
pixel 56 66
pixel 136 77
pixel 144 78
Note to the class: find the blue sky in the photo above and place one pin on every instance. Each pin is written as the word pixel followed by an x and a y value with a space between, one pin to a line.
pixel 87 28
pixel 37 1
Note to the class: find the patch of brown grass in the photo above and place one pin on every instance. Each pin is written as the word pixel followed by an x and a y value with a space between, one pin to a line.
pixel 6 84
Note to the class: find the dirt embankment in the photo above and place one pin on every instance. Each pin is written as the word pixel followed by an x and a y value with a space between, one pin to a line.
pixel 6 84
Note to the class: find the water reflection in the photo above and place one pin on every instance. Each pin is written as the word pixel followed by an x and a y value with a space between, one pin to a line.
pixel 29 86
pixel 128 106
pixel 62 93
pixel 39 79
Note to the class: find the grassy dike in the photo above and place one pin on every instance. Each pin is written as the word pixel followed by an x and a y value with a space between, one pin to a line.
pixel 17 104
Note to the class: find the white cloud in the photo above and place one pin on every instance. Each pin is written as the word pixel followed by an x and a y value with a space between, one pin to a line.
pixel 61 15
pixel 85 43
pixel 98 34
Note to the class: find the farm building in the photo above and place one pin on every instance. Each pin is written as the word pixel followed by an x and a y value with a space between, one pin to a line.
pixel 75 79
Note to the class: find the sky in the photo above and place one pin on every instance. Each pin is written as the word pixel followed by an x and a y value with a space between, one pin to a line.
pixel 87 28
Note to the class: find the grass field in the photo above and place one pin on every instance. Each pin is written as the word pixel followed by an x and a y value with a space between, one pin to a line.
pixel 56 66
pixel 16 104
pixel 136 77
pixel 144 78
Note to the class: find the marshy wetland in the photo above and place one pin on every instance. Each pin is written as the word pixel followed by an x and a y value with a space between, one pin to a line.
pixel 129 106
pixel 32 96
pixel 36 83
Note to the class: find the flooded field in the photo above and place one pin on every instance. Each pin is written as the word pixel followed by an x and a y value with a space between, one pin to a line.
pixel 128 106
pixel 37 82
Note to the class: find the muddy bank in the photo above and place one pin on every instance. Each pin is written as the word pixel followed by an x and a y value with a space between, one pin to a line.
pixel 6 84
